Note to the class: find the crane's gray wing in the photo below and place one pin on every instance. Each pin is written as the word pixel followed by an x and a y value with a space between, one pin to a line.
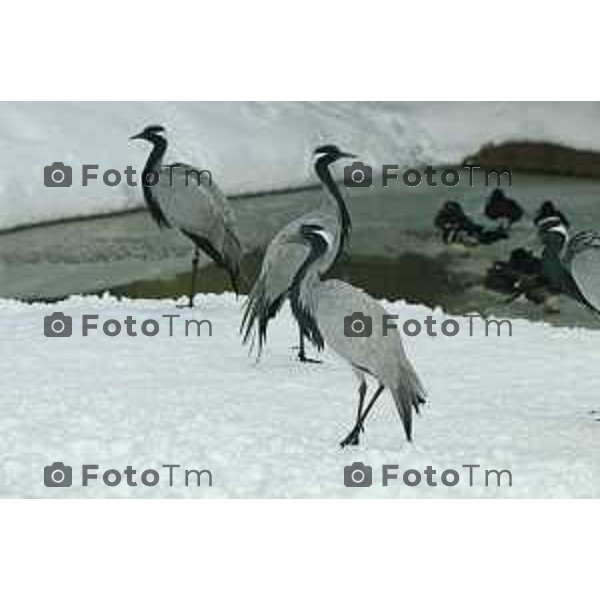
pixel 582 260
pixel 380 355
pixel 199 209
pixel 281 262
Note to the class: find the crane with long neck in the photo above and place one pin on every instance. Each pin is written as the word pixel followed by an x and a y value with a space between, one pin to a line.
pixel 201 212
pixel 283 259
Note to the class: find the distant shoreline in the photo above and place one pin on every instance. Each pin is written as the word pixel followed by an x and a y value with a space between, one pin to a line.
pixel 538 158
pixel 143 208
pixel 534 158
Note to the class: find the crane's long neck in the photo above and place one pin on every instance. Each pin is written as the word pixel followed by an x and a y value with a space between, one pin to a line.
pixel 552 264
pixel 149 178
pixel 334 199
pixel 552 267
pixel 303 293
pixel 555 244
pixel 159 148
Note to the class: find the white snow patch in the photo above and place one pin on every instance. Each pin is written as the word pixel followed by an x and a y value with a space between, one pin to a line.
pixel 271 429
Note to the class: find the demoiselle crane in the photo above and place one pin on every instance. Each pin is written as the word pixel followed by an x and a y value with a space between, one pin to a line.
pixel 324 310
pixel 185 198
pixel 571 265
pixel 283 258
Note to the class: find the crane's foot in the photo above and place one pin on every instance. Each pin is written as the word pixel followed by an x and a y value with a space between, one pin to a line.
pixel 190 304
pixel 305 359
pixel 353 438
pixel 417 405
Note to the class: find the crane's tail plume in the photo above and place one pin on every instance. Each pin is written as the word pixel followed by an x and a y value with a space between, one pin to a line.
pixel 231 259
pixel 408 395
pixel 259 309
pixel 235 277
pixel 404 404
pixel 227 255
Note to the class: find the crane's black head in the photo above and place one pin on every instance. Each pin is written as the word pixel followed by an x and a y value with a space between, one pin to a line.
pixel 547 209
pixel 332 152
pixel 547 206
pixel 150 133
pixel 552 233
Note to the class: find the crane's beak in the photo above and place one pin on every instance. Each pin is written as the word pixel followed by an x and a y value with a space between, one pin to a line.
pixel 348 155
pixel 137 136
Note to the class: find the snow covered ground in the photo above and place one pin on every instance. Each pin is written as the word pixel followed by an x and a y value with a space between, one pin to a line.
pixel 271 429
pixel 250 146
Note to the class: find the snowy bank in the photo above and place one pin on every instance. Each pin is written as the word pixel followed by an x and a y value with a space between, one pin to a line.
pixel 251 146
pixel 271 429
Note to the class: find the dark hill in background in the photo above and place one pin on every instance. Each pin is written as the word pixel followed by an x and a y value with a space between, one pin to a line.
pixel 538 157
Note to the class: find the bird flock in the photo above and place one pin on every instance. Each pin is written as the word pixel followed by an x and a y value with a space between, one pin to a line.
pixel 568 264
pixel 330 311
pixel 294 268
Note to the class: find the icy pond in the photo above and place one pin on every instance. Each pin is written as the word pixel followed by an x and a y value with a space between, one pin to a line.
pixel 398 256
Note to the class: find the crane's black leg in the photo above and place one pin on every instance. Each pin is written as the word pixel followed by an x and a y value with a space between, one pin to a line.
pixel 362 390
pixel 301 352
pixel 194 273
pixel 353 437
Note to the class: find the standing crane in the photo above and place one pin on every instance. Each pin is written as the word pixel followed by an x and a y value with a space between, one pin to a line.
pixel 324 310
pixel 571 265
pixel 283 258
pixel 182 197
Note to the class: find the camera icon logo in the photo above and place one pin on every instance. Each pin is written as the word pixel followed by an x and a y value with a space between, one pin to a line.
pixel 358 475
pixel 58 325
pixel 58 175
pixel 358 175
pixel 58 475
pixel 358 325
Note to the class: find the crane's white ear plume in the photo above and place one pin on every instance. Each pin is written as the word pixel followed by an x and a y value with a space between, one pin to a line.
pixel 313 233
pixel 325 235
pixel 548 223
pixel 552 225
pixel 561 229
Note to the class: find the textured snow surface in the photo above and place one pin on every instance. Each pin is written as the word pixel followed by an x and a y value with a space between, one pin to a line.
pixel 250 146
pixel 271 429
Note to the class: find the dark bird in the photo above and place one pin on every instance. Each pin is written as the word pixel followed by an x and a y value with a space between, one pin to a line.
pixel 499 206
pixel 186 198
pixel 521 274
pixel 456 226
pixel 452 221
pixel 523 261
